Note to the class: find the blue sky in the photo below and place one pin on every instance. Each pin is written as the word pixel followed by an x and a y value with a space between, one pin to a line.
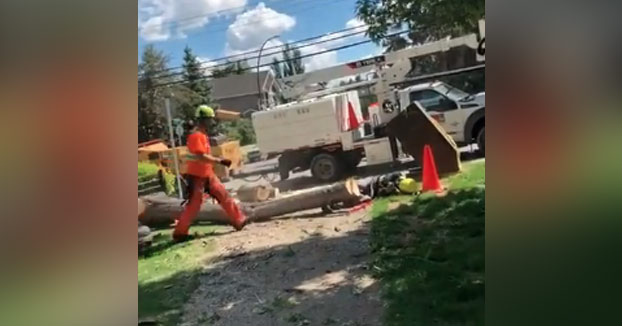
pixel 216 28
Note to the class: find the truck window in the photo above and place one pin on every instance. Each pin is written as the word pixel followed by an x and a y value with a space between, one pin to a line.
pixel 431 100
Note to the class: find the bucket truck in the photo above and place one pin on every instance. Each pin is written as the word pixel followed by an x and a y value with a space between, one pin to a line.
pixel 311 132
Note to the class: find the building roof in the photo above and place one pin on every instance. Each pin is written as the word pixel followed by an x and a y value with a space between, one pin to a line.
pixel 239 85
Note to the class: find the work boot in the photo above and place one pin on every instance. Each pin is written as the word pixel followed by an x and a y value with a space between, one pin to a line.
pixel 239 222
pixel 179 238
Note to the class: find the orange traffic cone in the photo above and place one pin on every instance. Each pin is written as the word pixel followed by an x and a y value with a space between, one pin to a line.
pixel 431 182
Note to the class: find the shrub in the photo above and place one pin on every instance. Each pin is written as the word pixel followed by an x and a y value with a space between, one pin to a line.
pixel 149 171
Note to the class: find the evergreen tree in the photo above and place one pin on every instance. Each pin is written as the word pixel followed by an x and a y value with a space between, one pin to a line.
pixel 196 83
pixel 231 68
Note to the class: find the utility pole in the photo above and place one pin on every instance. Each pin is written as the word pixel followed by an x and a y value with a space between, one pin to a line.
pixel 174 149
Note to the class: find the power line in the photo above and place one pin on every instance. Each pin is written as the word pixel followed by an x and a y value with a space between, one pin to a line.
pixel 339 35
pixel 281 61
pixel 224 64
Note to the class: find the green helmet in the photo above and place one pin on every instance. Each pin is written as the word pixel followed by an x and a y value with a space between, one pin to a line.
pixel 407 185
pixel 204 111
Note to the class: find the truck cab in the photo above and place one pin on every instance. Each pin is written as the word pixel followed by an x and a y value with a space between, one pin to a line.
pixel 459 113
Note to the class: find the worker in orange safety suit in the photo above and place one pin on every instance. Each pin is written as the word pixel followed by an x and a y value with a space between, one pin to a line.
pixel 201 177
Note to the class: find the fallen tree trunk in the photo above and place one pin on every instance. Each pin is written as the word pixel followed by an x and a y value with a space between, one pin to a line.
pixel 308 199
pixel 163 210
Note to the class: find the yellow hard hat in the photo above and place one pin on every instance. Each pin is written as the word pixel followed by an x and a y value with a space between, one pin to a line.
pixel 407 185
pixel 204 111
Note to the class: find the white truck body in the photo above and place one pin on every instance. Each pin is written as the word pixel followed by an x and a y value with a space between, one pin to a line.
pixel 449 106
pixel 309 134
pixel 307 124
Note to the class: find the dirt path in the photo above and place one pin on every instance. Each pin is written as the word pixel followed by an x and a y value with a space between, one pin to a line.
pixel 292 271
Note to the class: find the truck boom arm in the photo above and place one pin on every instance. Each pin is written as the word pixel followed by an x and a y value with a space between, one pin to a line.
pixel 392 68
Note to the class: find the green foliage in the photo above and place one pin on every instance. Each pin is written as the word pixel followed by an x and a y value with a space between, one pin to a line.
pixel 426 19
pixel 151 123
pixel 429 253
pixel 149 171
pixel 395 43
pixel 168 274
pixel 291 65
pixel 151 94
pixel 241 130
pixel 199 88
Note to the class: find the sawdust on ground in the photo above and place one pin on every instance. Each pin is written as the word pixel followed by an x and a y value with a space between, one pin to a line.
pixel 305 269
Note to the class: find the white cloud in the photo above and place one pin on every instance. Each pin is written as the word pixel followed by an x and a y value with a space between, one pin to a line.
pixel 329 59
pixel 319 61
pixel 251 28
pixel 159 20
pixel 354 22
pixel 153 30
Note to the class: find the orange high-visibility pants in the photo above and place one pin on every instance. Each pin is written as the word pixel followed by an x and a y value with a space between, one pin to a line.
pixel 215 189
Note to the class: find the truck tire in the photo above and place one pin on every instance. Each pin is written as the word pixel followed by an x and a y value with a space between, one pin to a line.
pixel 326 167
pixel 481 141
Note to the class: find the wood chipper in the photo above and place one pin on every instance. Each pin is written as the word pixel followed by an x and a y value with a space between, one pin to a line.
pixel 158 152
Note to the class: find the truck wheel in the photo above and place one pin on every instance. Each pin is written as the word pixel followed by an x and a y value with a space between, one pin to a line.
pixel 325 167
pixel 481 142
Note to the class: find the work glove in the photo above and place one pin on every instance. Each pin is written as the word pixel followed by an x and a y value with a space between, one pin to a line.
pixel 225 162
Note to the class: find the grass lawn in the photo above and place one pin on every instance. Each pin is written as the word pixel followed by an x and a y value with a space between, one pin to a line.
pixel 168 274
pixel 429 253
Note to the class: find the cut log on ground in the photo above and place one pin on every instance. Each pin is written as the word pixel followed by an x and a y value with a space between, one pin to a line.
pixel 161 210
pixel 255 193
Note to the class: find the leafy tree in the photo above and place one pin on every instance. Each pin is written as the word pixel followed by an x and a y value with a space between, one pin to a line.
pixel 426 20
pixel 395 43
pixel 152 71
pixel 241 130
pixel 290 65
